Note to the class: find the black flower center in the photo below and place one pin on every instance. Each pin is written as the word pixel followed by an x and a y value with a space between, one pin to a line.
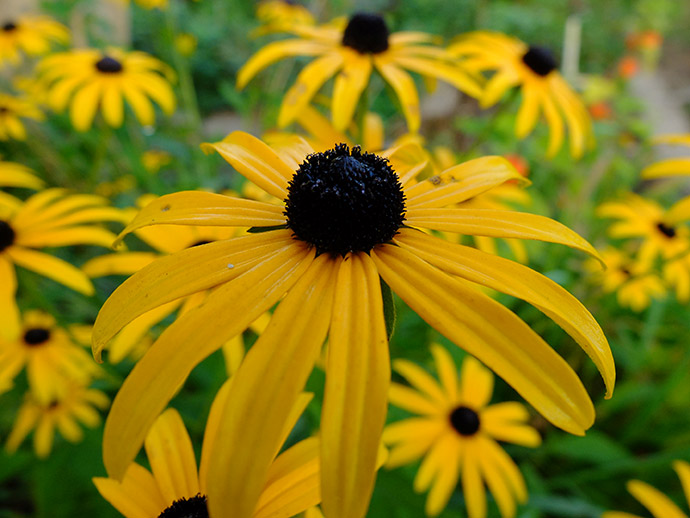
pixel 464 420
pixel 366 33
pixel 344 201
pixel 626 271
pixel 194 507
pixel 540 60
pixel 666 230
pixel 36 336
pixel 9 26
pixel 4 109
pixel 6 235
pixel 109 65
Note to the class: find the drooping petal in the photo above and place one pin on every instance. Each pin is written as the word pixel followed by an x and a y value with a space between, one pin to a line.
pixel 84 105
pixel 9 317
pixel 82 235
pixel 528 113
pixel 404 87
pixel 118 264
pixel 112 106
pixel 51 267
pixel 472 484
pixel 658 503
pixel 348 87
pixel 668 167
pixel 446 477
pixel 496 482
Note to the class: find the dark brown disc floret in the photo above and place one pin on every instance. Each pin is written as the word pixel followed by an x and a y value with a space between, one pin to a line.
pixel 367 33
pixel 540 60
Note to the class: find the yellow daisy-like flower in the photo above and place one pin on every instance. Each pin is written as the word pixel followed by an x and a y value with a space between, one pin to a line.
pixel 175 488
pixel 18 175
pixel 155 159
pixel 281 16
pixel 654 500
pixel 534 71
pixel 457 434
pixel 52 359
pixel 12 111
pixel 87 79
pixel 30 34
pixel 347 219
pixel 351 53
pixel 78 404
pixel 50 218
pixel 662 231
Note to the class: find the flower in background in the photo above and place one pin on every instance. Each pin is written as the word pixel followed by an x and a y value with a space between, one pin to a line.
pixel 456 433
pixel 281 16
pixel 186 44
pixel 52 359
pixel 175 487
pixel 348 220
pixel 30 34
pixel 155 159
pixel 671 166
pixel 50 218
pixel 78 404
pixel 351 53
pixel 628 67
pixel 18 175
pixel 85 79
pixel 654 500
pixel 12 110
pixel 534 71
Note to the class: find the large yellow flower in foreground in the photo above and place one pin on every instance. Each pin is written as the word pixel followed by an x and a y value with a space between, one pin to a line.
pixel 534 71
pixel 175 488
pixel 12 111
pixel 89 79
pixel 457 434
pixel 347 219
pixel 658 503
pixel 350 53
pixel 30 34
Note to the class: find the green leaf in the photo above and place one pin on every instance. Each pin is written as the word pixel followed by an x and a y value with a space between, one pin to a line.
pixel 259 230
pixel 388 308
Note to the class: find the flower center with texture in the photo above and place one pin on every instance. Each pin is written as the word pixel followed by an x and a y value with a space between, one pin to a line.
pixel 9 26
pixel 366 33
pixel 344 201
pixel 194 507
pixel 109 65
pixel 36 336
pixel 464 420
pixel 540 60
pixel 6 235
pixel 666 230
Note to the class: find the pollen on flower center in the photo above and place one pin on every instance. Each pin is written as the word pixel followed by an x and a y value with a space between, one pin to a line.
pixel 344 201
pixel 9 26
pixel 194 507
pixel 666 230
pixel 36 336
pixel 6 235
pixel 464 420
pixel 109 65
pixel 367 33
pixel 540 60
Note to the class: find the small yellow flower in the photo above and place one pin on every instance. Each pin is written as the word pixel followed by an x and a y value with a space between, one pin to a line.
pixel 86 79
pixel 351 53
pixel 457 434
pixel 12 110
pixel 654 500
pixel 281 16
pixel 79 404
pixel 30 34
pixel 155 159
pixel 186 44
pixel 534 71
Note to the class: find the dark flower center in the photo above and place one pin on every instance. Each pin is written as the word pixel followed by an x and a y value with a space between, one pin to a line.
pixel 666 230
pixel 540 60
pixel 194 507
pixel 109 65
pixel 36 336
pixel 344 201
pixel 6 235
pixel 9 26
pixel 464 420
pixel 366 33
pixel 4 109
pixel 626 271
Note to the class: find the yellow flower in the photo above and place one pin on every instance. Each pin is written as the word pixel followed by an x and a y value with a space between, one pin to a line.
pixel 281 16
pixel 186 44
pixel 534 70
pixel 50 218
pixel 347 218
pixel 18 175
pixel 12 110
pixel 79 404
pixel 30 34
pixel 88 78
pixel 174 486
pixel 654 500
pixel 52 359
pixel 457 434
pixel 155 159
pixel 350 53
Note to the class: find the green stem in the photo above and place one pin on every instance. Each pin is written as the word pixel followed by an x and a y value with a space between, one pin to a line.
pixel 490 125
pixel 361 116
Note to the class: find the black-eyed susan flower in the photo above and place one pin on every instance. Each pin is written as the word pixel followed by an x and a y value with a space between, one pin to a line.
pixel 281 16
pixel 53 360
pixel 176 488
pixel 12 111
pixel 350 53
pixel 534 71
pixel 89 79
pixel 456 434
pixel 51 218
pixel 654 500
pixel 78 405
pixel 18 175
pixel 347 219
pixel 32 35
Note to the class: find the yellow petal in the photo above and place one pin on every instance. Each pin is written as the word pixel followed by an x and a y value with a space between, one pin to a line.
pixel 141 106
pixel 669 167
pixel 412 401
pixel 454 75
pixel 472 485
pixel 528 113
pixel 9 317
pixel 137 496
pixel 555 123
pixel 125 263
pixel 498 85
pixel 476 384
pixel 410 439
pixel 113 109
pixel 497 484
pixel 404 87
pixel 658 503
pixel 497 456
pixel 683 470
pixel 421 380
pixel 447 371
pixel 51 267
pixel 84 235
pixel 84 105
pixel 446 476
